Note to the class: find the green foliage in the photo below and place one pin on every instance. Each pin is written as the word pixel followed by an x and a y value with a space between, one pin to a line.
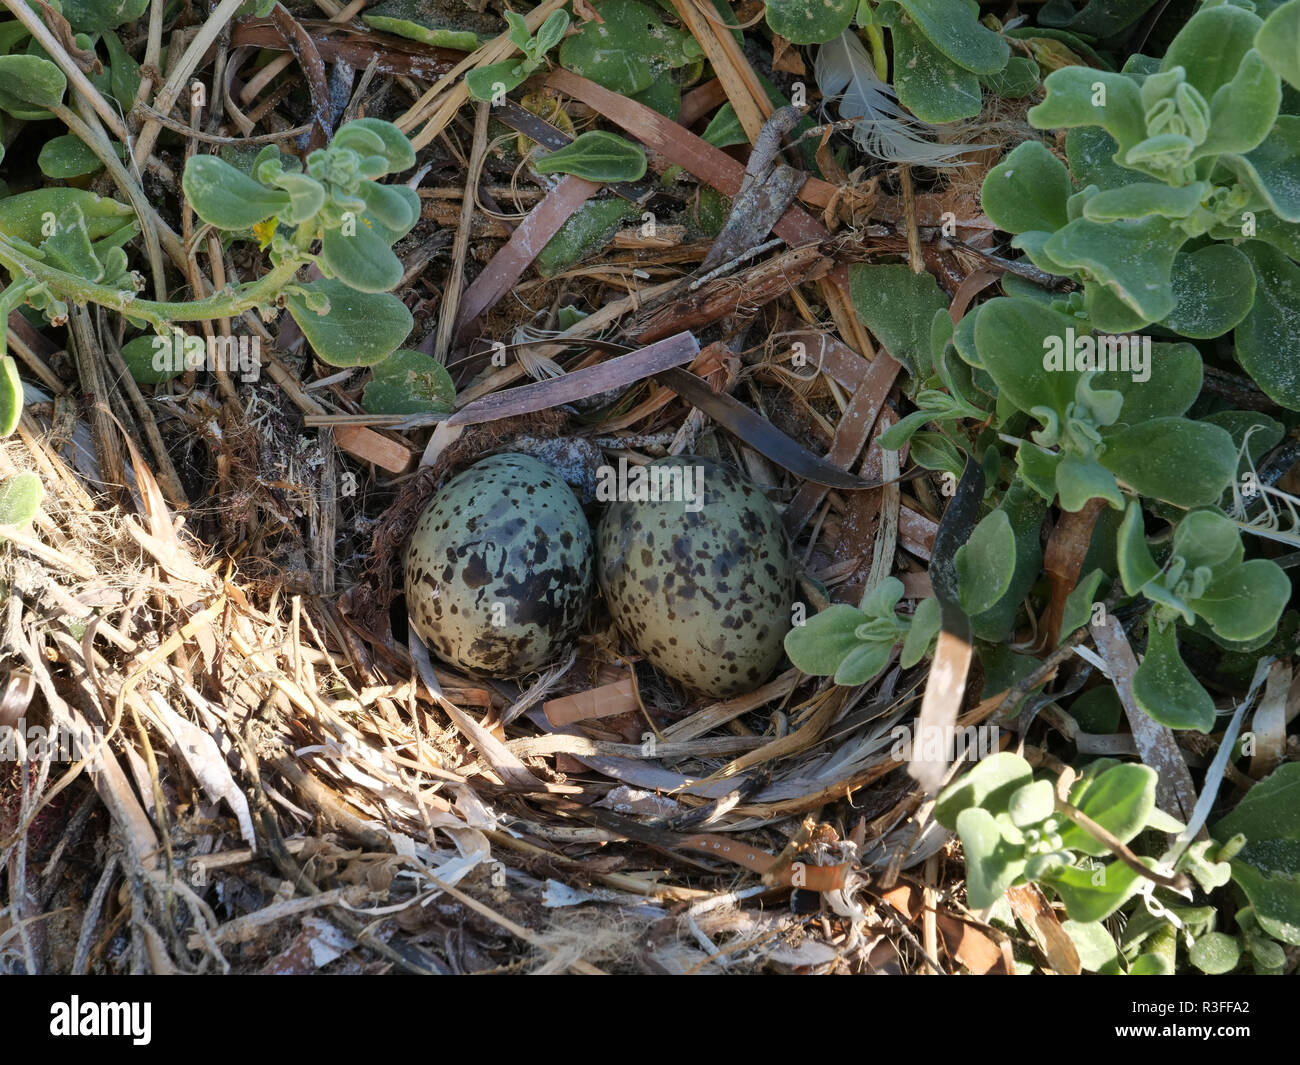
pixel 1014 832
pixel 409 382
pixel 852 645
pixel 628 50
pixel 20 499
pixel 431 24
pixel 596 156
pixel 804 22
pixel 494 80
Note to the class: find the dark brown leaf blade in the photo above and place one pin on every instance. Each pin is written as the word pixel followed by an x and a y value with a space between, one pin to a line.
pixel 760 434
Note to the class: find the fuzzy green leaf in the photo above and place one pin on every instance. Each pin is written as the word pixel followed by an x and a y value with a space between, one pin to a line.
pixel 1279 42
pixel 226 198
pixel 1165 689
pixel 955 31
pixel 1269 336
pixel 11 395
pixel 986 563
pixel 1027 191
pixel 809 21
pixel 596 156
pixel 898 306
pixel 408 382
pixel 20 499
pixel 359 329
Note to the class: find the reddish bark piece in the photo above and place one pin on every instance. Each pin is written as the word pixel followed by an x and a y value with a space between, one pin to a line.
pixel 507 266
pixel 851 435
pixel 370 446
pixel 355 47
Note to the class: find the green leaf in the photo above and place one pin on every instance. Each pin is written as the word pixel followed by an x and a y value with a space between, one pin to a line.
pixel 1017 80
pixel 1027 191
pixel 20 499
pixel 360 257
pixel 1164 687
pixel 1207 538
pixel 804 22
pixel 1214 289
pixel 1279 42
pixel 11 396
pixel 587 230
pixel 551 32
pixel 1269 335
pixel 955 31
pixel 95 16
pixel 1268 871
pixel 992 863
pixel 395 207
pixel 1032 803
pixel 359 329
pixel 1211 46
pixel 1136 566
pixel 1092 895
pixel 621 52
pixel 1270 809
pixel 1094 944
pixel 862 663
pixel 928 83
pixel 26 215
pixel 148 357
pixel 1091 153
pixel 1173 381
pixel 1215 953
pixel 989 785
pixel 438 25
pixel 986 563
pixel 898 306
pixel 396 150
pixel 1081 96
pixel 1145 198
pixel 820 644
pixel 408 382
pixel 1015 337
pixel 29 85
pixel 1245 602
pixel 1182 462
pixel 226 198
pixel 1243 111
pixel 924 628
pixel 934 451
pixel 596 156
pixel 1120 800
pixel 1134 259
pixel 1272 170
pixel 1080 479
pixel 493 81
pixel 67 156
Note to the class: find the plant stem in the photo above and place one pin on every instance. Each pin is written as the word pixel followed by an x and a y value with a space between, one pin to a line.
pixel 223 305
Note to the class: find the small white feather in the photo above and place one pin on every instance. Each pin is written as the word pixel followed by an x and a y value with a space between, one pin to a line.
pixel 845 73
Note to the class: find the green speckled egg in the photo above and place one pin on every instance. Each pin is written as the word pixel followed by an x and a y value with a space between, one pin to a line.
pixel 498 569
pixel 705 594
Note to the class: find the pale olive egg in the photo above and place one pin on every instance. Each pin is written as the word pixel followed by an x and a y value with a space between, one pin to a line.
pixel 704 586
pixel 498 568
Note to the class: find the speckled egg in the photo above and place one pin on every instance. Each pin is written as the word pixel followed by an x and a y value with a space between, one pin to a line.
pixel 703 587
pixel 498 569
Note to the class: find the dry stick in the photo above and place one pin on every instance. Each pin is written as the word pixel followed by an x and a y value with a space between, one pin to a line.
pixel 741 97
pixel 90 368
pixel 168 479
pixel 213 138
pixel 152 50
pixel 171 91
pixel 456 278
pixel 916 260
